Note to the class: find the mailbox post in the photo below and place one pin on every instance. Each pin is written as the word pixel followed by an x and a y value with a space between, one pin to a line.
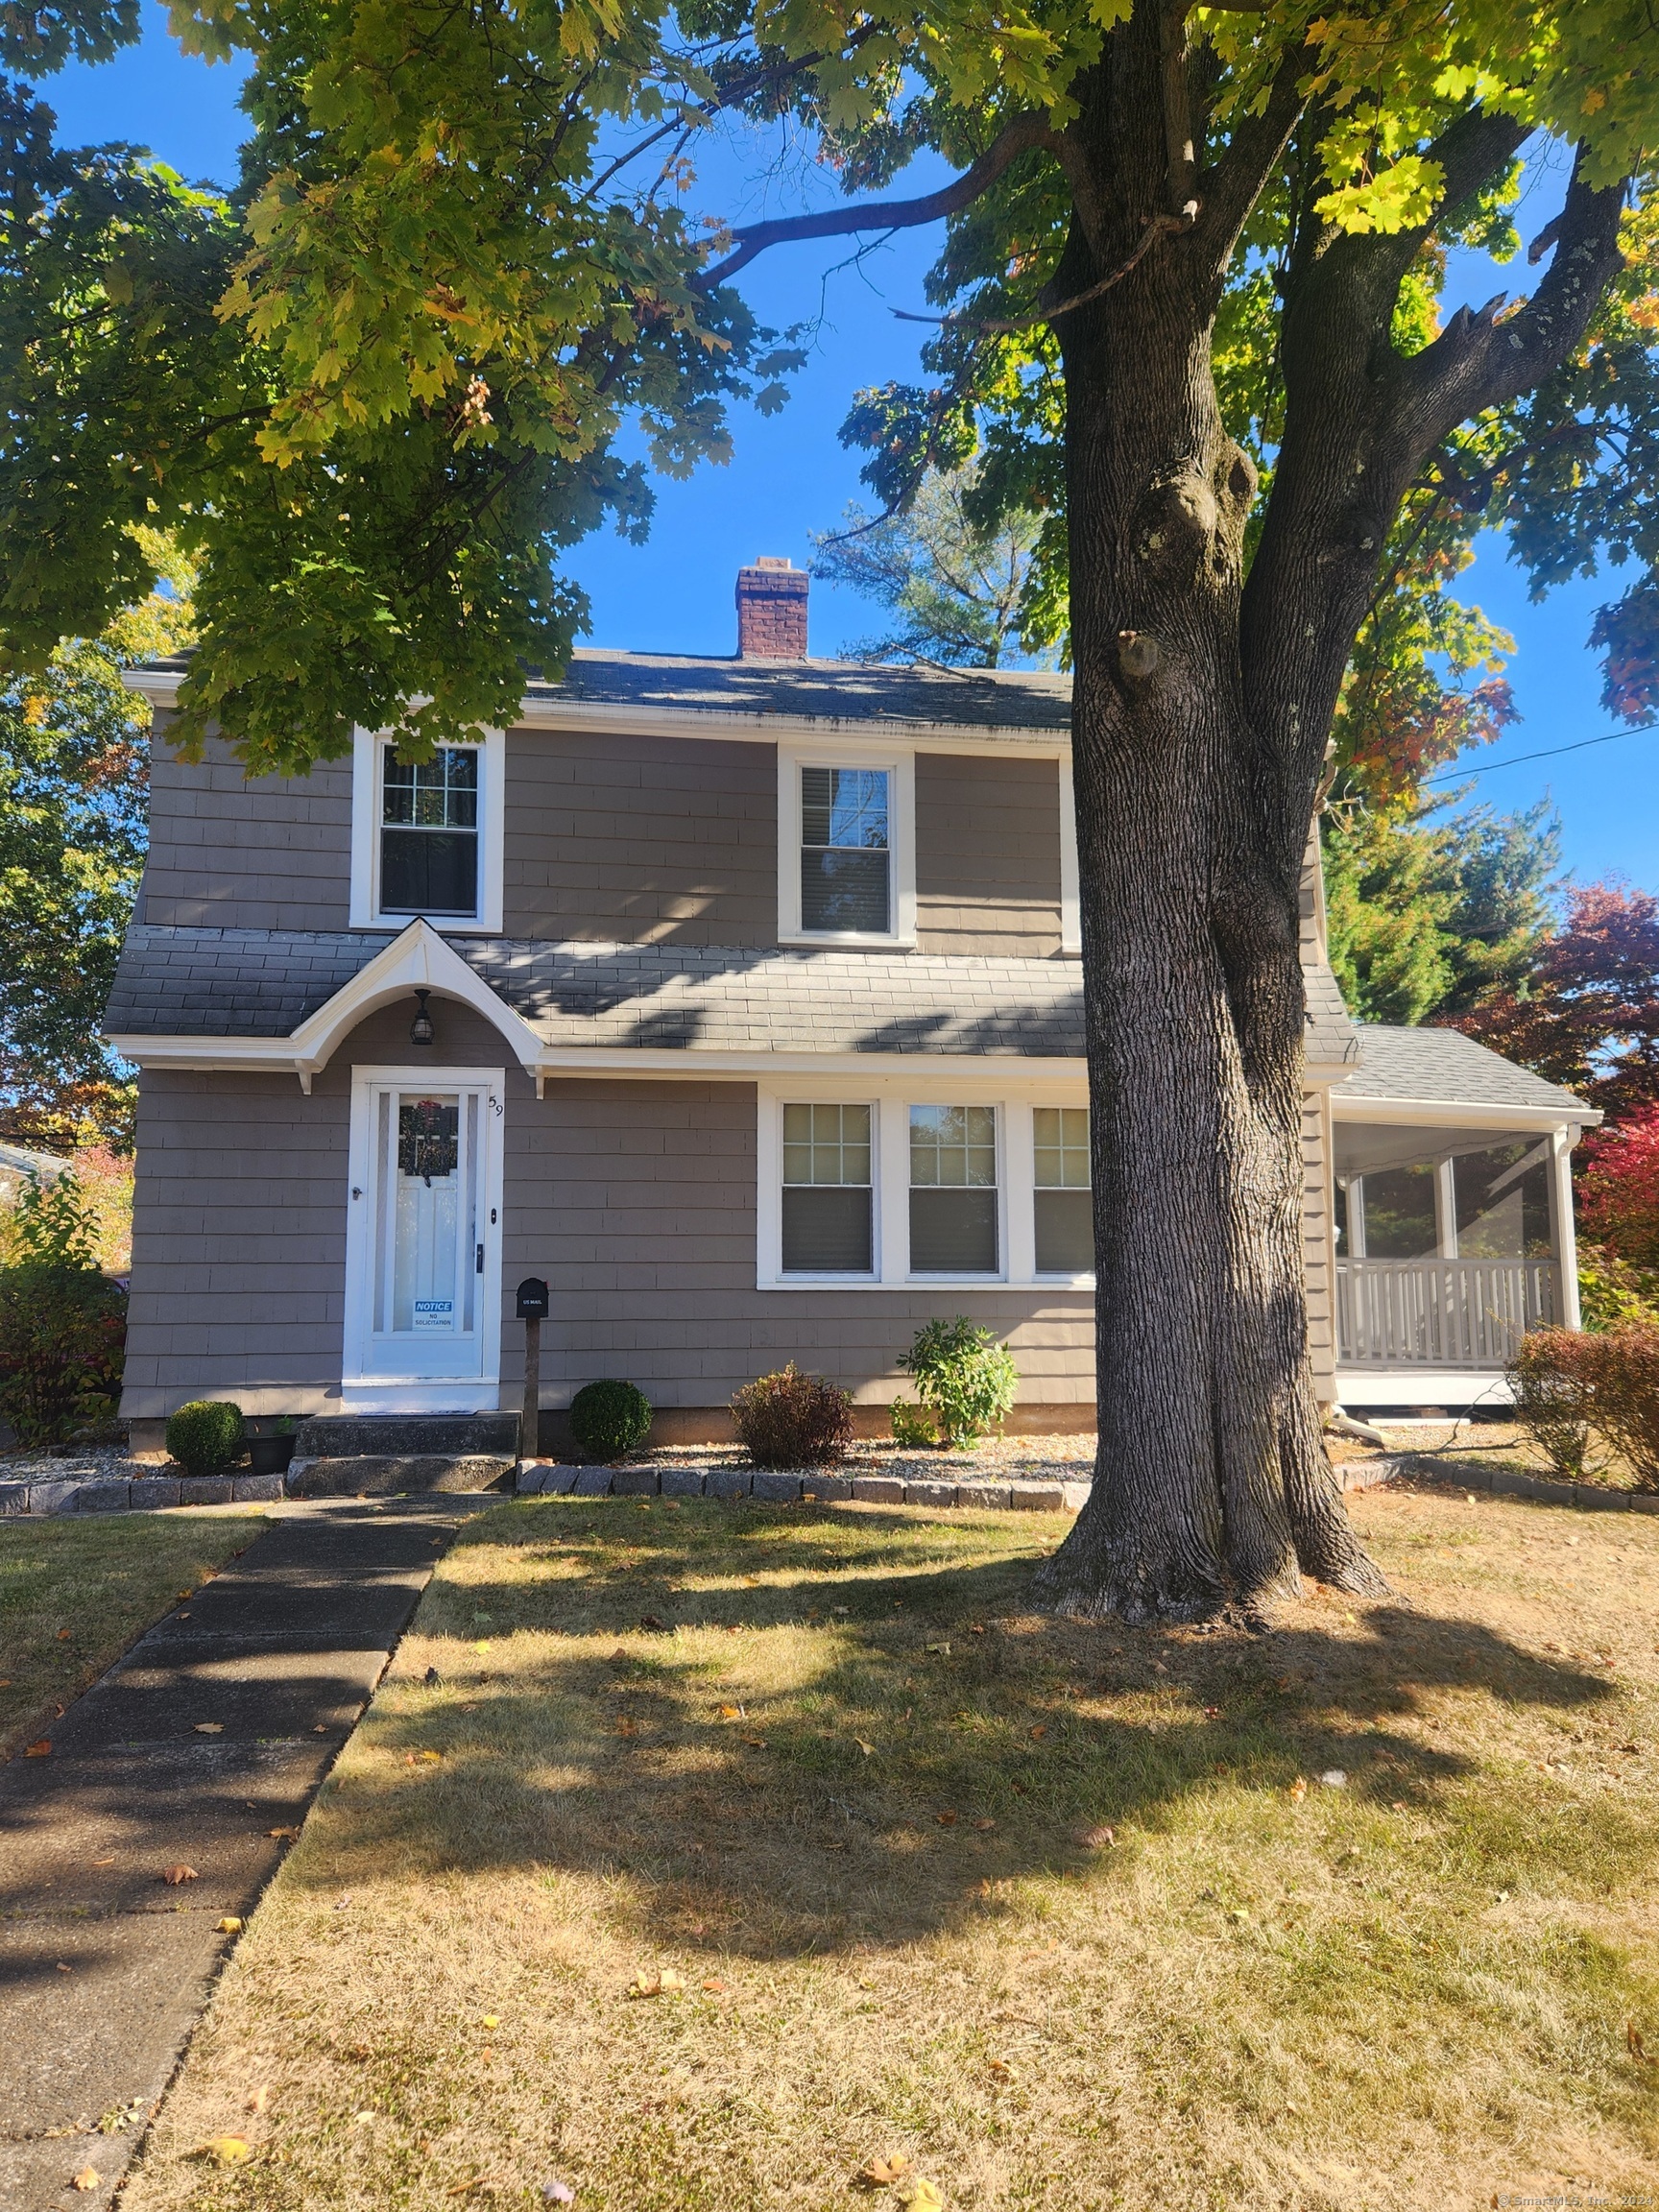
pixel 531 1311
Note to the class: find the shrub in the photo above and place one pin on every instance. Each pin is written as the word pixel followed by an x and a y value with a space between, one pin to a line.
pixel 792 1420
pixel 1553 1382
pixel 913 1428
pixel 206 1436
pixel 966 1380
pixel 63 1330
pixel 1612 1291
pixel 1627 1397
pixel 608 1418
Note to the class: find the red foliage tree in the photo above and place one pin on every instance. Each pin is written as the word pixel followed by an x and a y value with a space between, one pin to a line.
pixel 1619 1188
pixel 1590 1016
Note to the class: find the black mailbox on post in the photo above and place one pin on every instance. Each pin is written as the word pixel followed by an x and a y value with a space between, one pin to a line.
pixel 532 1299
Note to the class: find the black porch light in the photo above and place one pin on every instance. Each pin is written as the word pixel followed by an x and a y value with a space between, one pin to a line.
pixel 422 1030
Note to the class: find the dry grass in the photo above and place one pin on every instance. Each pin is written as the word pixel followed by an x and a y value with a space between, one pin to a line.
pixel 1409 1991
pixel 75 1592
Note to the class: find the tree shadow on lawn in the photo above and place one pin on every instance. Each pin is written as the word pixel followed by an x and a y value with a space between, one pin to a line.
pixel 764 1801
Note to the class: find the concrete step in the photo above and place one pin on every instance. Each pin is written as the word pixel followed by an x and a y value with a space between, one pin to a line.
pixel 379 1455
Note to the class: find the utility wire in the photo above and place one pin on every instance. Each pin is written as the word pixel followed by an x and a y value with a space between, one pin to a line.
pixel 1491 768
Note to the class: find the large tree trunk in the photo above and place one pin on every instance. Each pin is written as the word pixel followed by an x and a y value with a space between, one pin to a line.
pixel 1211 1485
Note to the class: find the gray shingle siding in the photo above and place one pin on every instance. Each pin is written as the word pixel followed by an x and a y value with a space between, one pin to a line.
pixel 987 855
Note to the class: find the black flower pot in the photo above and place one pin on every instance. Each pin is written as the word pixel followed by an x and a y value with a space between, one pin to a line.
pixel 269 1454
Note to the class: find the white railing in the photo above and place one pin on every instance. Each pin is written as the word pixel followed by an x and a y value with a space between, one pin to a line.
pixel 1440 1312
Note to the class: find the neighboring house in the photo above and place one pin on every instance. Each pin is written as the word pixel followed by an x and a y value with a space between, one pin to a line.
pixel 740 999
pixel 19 1164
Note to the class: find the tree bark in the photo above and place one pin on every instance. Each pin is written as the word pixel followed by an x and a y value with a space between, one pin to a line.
pixel 1198 731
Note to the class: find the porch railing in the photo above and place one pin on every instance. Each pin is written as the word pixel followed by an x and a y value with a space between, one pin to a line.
pixel 1440 1312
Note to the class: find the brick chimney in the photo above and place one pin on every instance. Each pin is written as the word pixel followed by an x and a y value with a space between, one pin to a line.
pixel 772 611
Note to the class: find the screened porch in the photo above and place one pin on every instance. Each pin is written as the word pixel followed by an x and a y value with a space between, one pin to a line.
pixel 1448 1244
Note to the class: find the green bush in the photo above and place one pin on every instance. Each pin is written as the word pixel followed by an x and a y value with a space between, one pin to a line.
pixel 792 1420
pixel 63 1330
pixel 1611 1292
pixel 206 1436
pixel 913 1428
pixel 608 1418
pixel 964 1378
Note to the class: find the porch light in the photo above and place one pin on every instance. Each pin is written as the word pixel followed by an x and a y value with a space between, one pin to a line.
pixel 422 1030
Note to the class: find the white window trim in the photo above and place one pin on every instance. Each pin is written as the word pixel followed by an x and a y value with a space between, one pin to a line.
pixel 1070 902
pixel 899 764
pixel 890 1100
pixel 368 749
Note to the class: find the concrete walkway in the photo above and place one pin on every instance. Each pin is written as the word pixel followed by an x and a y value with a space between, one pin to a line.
pixel 216 1728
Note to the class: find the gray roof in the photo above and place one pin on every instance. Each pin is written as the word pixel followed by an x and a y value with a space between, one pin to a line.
pixel 1332 1035
pixel 828 690
pixel 1447 1068
pixel 264 983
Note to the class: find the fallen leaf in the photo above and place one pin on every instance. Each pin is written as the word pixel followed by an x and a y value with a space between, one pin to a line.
pixel 490 2020
pixel 110 1862
pixel 714 1985
pixel 984 1825
pixel 230 1924
pixel 64 1638
pixel 209 1727
pixel 258 2099
pixel 755 1743
pixel 183 1594
pixel 289 1833
pixel 945 1819
pixel 976 1629
pixel 1000 2068
pixel 943 1650
pixel 1634 2044
pixel 177 1874
pixel 40 1750
pixel 1298 1789
pixel 882 2173
pixel 1212 1712
pixel 320 1729
pixel 1097 1838
pixel 87 2179
pixel 868 1750
pixel 662 1984
pixel 429 1758
pixel 920 2195
pixel 985 1888
pixel 1040 1731
pixel 227 2149
pixel 731 1712
pixel 627 1726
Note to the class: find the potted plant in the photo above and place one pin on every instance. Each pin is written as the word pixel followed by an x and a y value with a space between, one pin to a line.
pixel 269 1453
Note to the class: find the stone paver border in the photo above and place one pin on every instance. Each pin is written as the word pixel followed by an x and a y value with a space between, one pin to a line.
pixel 139 1494
pixel 549 1478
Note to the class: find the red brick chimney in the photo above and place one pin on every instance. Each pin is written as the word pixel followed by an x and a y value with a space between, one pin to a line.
pixel 772 611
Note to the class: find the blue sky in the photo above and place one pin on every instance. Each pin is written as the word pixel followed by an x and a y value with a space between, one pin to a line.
pixel 790 475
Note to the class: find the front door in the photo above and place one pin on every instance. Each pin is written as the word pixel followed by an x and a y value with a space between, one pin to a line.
pixel 424 1302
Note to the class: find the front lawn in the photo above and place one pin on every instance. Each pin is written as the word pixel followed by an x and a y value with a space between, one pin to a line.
pixel 75 1590
pixel 732 1848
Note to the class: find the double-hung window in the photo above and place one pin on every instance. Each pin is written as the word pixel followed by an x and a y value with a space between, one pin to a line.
pixel 955 1229
pixel 427 836
pixel 846 851
pixel 429 833
pixel 827 1226
pixel 1063 1201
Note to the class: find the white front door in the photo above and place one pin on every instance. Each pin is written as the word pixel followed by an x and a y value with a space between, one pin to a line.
pixel 424 1241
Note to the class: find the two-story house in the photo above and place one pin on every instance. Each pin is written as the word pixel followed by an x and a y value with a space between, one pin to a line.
pixel 740 999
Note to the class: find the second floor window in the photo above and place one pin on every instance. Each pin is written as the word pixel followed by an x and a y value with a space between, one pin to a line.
pixel 429 833
pixel 846 866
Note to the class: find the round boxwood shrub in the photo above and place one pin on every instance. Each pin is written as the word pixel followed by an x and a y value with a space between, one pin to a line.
pixel 608 1418
pixel 792 1420
pixel 206 1436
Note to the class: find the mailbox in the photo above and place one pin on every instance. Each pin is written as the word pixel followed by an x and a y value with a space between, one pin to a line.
pixel 532 1299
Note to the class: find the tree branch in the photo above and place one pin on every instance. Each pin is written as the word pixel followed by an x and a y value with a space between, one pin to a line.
pixel 1157 226
pixel 1021 136
pixel 1228 190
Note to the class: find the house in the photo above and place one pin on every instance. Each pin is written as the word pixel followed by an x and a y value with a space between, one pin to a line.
pixel 739 999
